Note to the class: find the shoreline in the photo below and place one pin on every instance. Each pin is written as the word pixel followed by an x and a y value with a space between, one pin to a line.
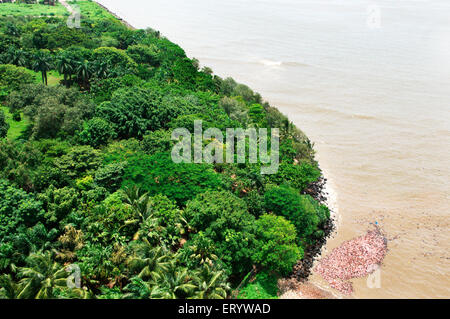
pixel 322 192
pixel 126 23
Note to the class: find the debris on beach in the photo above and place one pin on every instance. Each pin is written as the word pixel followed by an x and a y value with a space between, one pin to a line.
pixel 293 289
pixel 355 258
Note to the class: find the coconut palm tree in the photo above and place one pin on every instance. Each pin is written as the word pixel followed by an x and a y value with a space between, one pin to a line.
pixel 101 69
pixel 148 261
pixel 138 289
pixel 42 63
pixel 83 72
pixel 64 66
pixel 175 283
pixel 210 283
pixel 139 201
pixel 41 276
pixel 9 289
pixel 15 56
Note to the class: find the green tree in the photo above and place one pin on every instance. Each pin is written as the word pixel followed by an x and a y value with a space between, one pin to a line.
pixel 296 208
pixel 42 62
pixel 276 249
pixel 96 132
pixel 148 262
pixel 224 219
pixel 175 283
pixel 210 283
pixel 4 126
pixel 158 174
pixel 40 277
pixel 64 65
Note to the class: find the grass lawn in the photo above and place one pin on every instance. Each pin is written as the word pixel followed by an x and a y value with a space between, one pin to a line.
pixel 15 128
pixel 53 77
pixel 91 9
pixel 22 9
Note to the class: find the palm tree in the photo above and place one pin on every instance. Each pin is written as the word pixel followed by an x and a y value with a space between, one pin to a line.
pixel 139 202
pixel 42 63
pixel 64 66
pixel 9 289
pixel 15 56
pixel 40 276
pixel 148 261
pixel 138 289
pixel 84 73
pixel 210 283
pixel 101 69
pixel 174 283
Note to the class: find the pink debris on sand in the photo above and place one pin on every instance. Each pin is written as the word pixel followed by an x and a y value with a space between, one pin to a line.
pixel 355 258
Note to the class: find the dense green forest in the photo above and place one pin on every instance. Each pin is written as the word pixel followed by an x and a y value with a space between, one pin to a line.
pixel 86 176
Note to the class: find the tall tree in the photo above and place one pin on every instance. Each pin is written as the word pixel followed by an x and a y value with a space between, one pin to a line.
pixel 83 72
pixel 42 63
pixel 64 66
pixel 40 276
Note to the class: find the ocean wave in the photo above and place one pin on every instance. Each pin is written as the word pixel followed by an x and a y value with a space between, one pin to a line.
pixel 272 63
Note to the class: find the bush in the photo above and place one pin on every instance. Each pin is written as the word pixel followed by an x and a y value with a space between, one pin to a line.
pixel 14 77
pixel 144 54
pixel 159 141
pixel 298 176
pixel 134 111
pixel 264 286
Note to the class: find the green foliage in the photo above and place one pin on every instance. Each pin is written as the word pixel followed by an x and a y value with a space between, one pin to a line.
pixel 296 208
pixel 80 160
pixel 276 249
pixel 87 176
pixel 110 176
pixel 17 208
pixel 159 141
pixel 135 111
pixel 97 132
pixel 52 110
pixel 4 126
pixel 40 277
pixel 144 54
pixel 158 174
pixel 264 286
pixel 298 176
pixel 13 77
pixel 224 219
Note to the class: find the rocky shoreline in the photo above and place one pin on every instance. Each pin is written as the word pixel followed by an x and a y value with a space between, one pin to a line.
pixel 302 270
